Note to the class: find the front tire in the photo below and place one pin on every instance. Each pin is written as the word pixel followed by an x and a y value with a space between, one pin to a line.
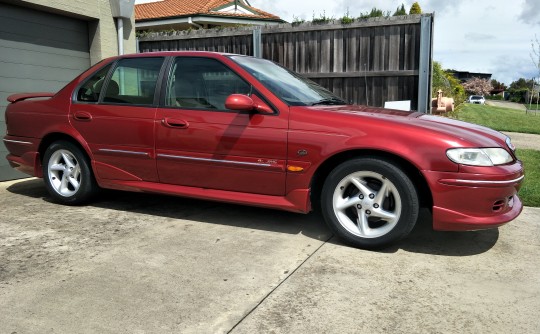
pixel 67 174
pixel 369 203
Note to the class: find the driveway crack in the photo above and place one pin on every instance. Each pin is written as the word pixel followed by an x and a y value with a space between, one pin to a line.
pixel 280 284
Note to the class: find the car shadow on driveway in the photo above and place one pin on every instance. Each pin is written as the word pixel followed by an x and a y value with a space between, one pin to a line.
pixel 421 240
pixel 193 210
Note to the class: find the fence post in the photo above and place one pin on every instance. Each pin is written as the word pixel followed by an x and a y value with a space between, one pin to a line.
pixel 257 42
pixel 424 70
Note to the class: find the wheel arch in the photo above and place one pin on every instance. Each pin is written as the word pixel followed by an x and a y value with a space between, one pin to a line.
pixel 324 169
pixel 52 137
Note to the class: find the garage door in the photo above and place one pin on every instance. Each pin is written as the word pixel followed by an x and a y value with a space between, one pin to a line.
pixel 39 52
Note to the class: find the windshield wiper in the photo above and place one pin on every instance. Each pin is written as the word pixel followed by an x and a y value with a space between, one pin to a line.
pixel 329 101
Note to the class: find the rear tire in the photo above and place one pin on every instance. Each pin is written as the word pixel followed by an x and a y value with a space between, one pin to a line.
pixel 67 174
pixel 369 203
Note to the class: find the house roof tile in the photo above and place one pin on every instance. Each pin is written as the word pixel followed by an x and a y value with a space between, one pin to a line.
pixel 175 8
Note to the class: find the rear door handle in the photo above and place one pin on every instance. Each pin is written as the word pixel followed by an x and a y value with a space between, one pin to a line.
pixel 175 123
pixel 82 116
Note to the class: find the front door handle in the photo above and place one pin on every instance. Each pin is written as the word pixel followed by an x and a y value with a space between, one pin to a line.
pixel 82 116
pixel 175 123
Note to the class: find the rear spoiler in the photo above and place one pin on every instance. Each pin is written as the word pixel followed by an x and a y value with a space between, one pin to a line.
pixel 23 96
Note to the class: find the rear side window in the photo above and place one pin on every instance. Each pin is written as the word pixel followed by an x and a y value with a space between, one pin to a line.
pixel 202 83
pixel 133 81
pixel 89 92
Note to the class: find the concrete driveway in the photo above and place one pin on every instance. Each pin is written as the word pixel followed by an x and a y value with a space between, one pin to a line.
pixel 136 263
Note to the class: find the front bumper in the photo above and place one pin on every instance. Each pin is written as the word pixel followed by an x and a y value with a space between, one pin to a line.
pixel 475 198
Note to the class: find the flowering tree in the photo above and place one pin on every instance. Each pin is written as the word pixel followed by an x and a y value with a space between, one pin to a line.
pixel 478 86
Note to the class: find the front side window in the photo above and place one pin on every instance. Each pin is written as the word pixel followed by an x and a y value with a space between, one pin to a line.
pixel 202 83
pixel 133 81
pixel 287 85
pixel 90 90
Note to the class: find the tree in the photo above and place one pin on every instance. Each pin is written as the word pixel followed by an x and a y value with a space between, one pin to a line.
pixel 521 83
pixel 519 89
pixel 458 92
pixel 478 86
pixel 498 85
pixel 448 83
pixel 415 9
pixel 535 54
pixel 400 11
pixel 440 82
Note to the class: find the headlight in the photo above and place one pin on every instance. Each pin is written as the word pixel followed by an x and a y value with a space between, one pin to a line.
pixel 479 156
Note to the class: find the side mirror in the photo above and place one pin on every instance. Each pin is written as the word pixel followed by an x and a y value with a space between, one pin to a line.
pixel 242 102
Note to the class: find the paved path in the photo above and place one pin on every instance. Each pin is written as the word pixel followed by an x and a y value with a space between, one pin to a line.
pixel 142 263
pixel 524 140
pixel 506 104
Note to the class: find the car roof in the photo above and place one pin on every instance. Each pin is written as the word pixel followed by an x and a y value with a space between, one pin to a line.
pixel 176 53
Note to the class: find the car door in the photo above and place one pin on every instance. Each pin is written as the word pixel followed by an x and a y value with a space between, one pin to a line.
pixel 200 143
pixel 114 111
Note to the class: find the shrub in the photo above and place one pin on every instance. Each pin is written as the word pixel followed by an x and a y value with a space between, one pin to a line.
pixel 450 86
pixel 518 95
pixel 415 9
pixel 297 21
pixel 346 19
pixel 322 19
pixel 375 12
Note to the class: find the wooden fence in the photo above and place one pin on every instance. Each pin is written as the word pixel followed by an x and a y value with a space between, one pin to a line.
pixel 367 62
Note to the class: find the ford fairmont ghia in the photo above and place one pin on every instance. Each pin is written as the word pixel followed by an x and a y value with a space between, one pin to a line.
pixel 245 130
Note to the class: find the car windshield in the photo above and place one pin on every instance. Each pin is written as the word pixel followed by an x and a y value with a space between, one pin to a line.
pixel 476 97
pixel 287 85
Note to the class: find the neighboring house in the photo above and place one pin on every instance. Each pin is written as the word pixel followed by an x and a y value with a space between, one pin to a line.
pixel 156 15
pixel 45 44
pixel 464 76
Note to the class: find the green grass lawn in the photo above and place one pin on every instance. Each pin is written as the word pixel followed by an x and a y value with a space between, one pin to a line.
pixel 530 191
pixel 500 119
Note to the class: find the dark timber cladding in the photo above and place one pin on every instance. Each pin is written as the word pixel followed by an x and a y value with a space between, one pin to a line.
pixel 369 61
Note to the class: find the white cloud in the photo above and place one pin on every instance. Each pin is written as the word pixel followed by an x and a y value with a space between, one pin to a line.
pixel 530 13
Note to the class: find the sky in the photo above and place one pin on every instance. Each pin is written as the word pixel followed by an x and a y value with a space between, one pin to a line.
pixel 487 36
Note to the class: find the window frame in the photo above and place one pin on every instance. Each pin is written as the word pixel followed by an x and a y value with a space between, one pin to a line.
pixel 168 76
pixel 115 64
pixel 75 93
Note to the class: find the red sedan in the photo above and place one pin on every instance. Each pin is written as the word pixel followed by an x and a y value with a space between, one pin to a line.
pixel 245 130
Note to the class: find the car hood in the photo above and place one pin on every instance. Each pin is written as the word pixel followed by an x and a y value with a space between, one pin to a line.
pixel 458 133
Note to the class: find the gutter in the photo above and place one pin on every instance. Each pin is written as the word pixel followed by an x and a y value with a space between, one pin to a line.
pixel 190 21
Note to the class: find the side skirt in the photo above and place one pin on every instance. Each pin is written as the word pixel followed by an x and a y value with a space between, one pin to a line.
pixel 295 201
